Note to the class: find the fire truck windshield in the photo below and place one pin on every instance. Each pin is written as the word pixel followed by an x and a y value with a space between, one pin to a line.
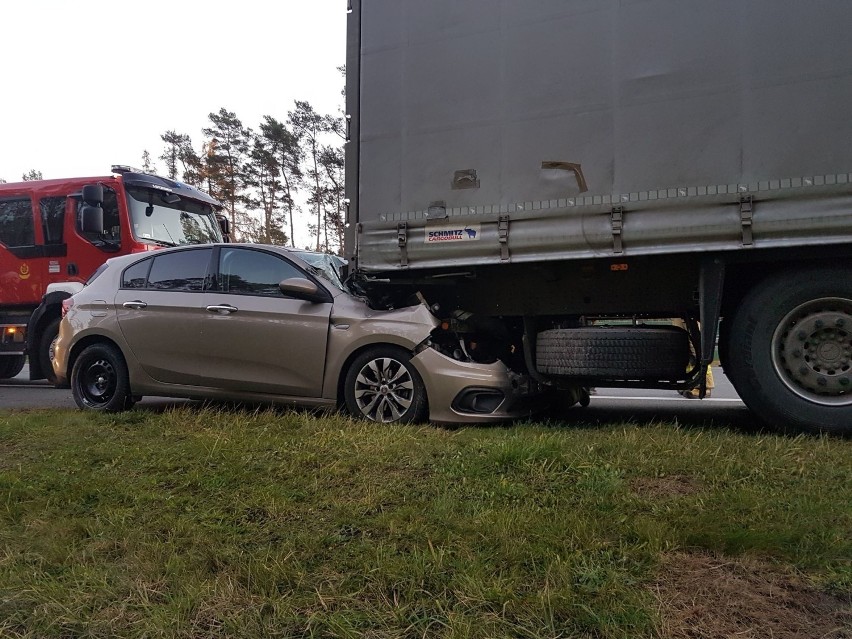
pixel 167 219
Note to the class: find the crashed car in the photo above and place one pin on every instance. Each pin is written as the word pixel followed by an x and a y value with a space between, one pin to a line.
pixel 245 322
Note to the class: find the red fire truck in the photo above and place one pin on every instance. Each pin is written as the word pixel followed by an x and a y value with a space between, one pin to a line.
pixel 54 234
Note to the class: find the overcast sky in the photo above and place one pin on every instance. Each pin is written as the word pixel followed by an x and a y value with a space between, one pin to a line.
pixel 91 83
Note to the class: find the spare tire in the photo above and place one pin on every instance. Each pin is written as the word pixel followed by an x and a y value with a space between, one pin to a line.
pixel 612 352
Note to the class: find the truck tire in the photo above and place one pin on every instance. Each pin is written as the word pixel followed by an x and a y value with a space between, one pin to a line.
pixel 383 386
pixel 604 352
pixel 99 379
pixel 11 365
pixel 46 346
pixel 790 351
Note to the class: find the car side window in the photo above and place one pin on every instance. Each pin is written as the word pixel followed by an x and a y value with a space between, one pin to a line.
pixel 180 271
pixel 136 276
pixel 249 272
pixel 16 223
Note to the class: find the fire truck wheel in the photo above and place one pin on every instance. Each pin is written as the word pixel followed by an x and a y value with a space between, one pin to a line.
pixel 99 379
pixel 10 366
pixel 46 347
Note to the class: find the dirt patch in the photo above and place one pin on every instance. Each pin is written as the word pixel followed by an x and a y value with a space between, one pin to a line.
pixel 656 487
pixel 705 597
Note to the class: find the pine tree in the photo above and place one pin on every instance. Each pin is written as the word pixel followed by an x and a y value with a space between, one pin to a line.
pixel 265 190
pixel 331 167
pixel 309 125
pixel 147 164
pixel 226 154
pixel 284 145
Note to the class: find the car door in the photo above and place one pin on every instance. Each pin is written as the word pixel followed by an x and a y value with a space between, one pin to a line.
pixel 159 309
pixel 256 339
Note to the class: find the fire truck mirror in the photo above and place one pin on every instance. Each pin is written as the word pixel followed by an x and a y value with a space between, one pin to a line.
pixel 93 194
pixel 225 227
pixel 92 219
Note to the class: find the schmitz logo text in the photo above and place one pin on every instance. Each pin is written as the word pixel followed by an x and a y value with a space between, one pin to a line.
pixel 462 233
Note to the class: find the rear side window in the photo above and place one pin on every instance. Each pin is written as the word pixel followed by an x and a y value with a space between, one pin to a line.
pixel 52 218
pixel 16 223
pixel 136 276
pixel 180 271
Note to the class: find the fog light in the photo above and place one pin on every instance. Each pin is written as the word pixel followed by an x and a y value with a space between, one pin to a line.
pixel 478 400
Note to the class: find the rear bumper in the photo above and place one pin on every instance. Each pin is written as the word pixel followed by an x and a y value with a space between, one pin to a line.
pixel 471 393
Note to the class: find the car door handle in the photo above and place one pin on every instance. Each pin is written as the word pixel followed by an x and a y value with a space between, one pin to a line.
pixel 222 309
pixel 137 304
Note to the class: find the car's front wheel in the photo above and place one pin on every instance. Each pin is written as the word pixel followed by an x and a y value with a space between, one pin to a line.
pixel 99 379
pixel 383 386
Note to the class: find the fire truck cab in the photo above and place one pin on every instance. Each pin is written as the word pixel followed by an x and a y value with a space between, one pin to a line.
pixel 54 234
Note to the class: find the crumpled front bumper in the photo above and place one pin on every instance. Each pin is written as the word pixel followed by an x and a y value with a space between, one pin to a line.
pixel 453 387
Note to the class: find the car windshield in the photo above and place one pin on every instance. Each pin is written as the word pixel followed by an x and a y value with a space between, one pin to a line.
pixel 167 219
pixel 327 266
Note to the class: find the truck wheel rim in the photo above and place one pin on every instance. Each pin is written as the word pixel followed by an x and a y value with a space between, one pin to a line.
pixel 98 383
pixel 812 351
pixel 384 389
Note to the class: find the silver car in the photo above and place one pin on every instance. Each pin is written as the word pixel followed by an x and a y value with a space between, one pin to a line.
pixel 261 324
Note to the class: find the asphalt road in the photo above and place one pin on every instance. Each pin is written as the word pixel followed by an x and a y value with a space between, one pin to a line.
pixel 608 405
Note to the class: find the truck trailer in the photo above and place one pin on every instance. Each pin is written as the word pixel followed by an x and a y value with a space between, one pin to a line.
pixel 568 183
pixel 55 234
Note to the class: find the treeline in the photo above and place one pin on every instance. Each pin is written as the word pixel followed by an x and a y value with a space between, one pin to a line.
pixel 264 176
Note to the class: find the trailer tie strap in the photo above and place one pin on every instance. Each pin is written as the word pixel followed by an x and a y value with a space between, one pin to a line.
pixel 746 219
pixel 617 222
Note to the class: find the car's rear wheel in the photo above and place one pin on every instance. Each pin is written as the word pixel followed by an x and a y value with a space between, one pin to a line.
pixel 99 379
pixel 11 365
pixel 383 386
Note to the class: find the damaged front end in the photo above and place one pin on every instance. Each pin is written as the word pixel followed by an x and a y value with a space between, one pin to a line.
pixel 470 367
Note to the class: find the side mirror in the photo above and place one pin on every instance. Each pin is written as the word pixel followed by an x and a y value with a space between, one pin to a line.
pixel 92 219
pixel 225 227
pixel 93 194
pixel 303 289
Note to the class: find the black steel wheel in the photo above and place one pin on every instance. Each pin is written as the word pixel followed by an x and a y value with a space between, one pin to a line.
pixel 790 351
pixel 99 379
pixel 383 386
pixel 11 365
pixel 47 349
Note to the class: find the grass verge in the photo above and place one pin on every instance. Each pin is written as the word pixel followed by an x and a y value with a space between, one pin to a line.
pixel 215 523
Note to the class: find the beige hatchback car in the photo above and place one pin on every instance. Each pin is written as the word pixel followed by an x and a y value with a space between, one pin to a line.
pixel 261 324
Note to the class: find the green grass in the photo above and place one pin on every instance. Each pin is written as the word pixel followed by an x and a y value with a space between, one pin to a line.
pixel 200 523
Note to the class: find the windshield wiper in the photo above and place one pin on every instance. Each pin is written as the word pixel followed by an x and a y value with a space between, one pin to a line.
pixel 156 240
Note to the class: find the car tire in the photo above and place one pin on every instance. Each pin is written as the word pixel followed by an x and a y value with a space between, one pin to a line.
pixel 382 385
pixel 46 346
pixel 789 351
pixel 99 379
pixel 11 365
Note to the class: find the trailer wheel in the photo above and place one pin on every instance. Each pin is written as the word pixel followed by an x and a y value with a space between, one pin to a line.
pixel 11 365
pixel 46 349
pixel 613 352
pixel 99 379
pixel 790 351
pixel 383 386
